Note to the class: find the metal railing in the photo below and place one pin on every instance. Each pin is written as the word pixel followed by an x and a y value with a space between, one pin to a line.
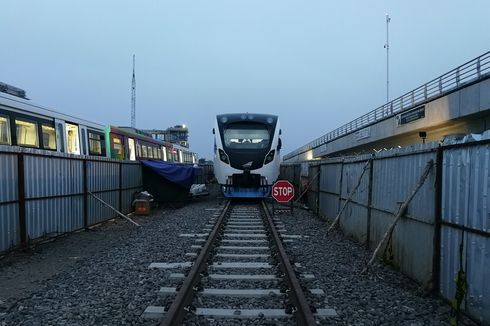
pixel 469 72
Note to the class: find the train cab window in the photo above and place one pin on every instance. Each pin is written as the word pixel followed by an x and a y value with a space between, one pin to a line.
pixel 246 137
pixel 95 142
pixel 145 151
pixel 117 146
pixel 72 139
pixel 5 130
pixel 132 149
pixel 26 133
pixel 49 137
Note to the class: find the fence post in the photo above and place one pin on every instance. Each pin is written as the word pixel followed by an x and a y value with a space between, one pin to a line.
pixel 120 186
pixel 436 257
pixel 369 204
pixel 22 199
pixel 85 195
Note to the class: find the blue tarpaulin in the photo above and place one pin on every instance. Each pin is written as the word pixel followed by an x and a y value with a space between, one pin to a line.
pixel 183 175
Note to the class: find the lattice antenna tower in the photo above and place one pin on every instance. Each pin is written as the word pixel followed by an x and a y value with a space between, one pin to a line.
pixel 133 97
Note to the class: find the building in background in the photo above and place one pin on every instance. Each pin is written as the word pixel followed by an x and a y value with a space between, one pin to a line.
pixel 178 134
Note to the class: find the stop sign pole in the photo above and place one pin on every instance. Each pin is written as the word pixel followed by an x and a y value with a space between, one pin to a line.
pixel 283 192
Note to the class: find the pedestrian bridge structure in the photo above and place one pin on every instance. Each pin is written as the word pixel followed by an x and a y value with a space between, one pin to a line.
pixel 453 104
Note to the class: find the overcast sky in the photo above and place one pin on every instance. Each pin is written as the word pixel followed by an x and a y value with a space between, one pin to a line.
pixel 317 64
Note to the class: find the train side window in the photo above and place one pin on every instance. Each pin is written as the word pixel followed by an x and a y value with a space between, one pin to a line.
pixel 118 148
pixel 94 143
pixel 27 134
pixel 155 152
pixel 72 139
pixel 5 130
pixel 150 152
pixel 138 149
pixel 49 137
pixel 145 151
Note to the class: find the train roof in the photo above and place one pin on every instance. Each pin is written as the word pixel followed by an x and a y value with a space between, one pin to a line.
pixel 239 117
pixel 27 107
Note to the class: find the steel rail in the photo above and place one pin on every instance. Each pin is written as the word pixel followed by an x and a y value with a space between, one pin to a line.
pixel 177 312
pixel 303 314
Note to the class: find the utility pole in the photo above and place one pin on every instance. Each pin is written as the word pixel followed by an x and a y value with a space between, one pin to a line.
pixel 133 98
pixel 387 47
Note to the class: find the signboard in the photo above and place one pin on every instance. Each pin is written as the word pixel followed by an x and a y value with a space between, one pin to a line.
pixel 411 115
pixel 282 191
pixel 363 133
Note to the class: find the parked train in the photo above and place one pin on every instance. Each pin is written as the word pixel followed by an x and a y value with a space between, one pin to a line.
pixel 23 123
pixel 246 154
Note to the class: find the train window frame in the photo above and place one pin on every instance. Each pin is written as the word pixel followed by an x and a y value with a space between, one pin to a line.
pixel 53 130
pixel 8 133
pixel 100 140
pixel 36 133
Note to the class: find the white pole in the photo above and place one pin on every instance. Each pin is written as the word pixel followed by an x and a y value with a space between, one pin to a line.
pixel 387 47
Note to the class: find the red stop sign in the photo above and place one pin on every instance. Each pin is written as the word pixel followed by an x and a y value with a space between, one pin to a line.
pixel 282 191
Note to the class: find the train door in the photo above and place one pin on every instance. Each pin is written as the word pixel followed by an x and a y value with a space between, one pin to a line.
pixel 60 135
pixel 83 140
pixel 72 139
pixel 132 149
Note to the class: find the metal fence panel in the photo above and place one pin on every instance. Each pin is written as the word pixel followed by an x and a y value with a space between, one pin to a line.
pixel 97 212
pixel 52 176
pixel 350 177
pixel 8 181
pixel 102 175
pixel 54 216
pixel 466 184
pixel 466 211
pixel 132 175
pixel 478 273
pixel 328 204
pixel 450 241
pixel 9 226
pixel 411 244
pixel 354 221
pixel 394 179
pixel 330 177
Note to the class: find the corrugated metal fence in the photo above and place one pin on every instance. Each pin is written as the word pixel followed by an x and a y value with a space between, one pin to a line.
pixel 450 210
pixel 45 194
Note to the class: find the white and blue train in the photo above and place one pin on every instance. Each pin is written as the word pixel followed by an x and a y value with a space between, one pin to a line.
pixel 247 154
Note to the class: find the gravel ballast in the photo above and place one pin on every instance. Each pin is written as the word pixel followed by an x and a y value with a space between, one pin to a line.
pixel 101 277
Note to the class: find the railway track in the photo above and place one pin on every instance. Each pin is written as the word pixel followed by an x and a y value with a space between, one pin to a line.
pixel 241 272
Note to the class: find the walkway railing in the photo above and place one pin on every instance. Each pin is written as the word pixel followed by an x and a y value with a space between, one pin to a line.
pixel 469 72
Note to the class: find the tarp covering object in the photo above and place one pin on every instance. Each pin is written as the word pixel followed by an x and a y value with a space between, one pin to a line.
pixel 183 175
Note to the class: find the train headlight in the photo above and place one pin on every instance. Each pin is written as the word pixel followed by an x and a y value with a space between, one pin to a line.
pixel 270 157
pixel 223 157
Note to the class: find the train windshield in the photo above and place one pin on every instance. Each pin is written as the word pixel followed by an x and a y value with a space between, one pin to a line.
pixel 250 136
